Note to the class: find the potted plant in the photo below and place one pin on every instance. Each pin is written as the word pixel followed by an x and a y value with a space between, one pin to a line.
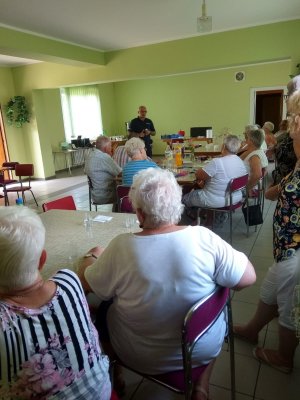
pixel 16 111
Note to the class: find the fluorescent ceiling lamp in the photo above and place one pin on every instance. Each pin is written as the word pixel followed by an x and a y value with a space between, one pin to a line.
pixel 204 23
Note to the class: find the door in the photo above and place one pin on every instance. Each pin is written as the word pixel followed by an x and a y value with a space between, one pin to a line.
pixel 269 107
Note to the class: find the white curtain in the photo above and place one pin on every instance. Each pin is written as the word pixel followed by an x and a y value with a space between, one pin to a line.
pixel 81 112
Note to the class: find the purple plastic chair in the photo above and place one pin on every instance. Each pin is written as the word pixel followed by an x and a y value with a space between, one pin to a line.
pixel 235 185
pixel 197 322
pixel 125 205
pixel 121 192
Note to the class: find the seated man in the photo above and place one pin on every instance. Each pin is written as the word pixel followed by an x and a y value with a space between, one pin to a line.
pixel 135 149
pixel 102 170
pixel 214 177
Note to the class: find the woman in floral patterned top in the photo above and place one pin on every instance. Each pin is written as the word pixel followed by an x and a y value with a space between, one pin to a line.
pixel 277 291
pixel 49 347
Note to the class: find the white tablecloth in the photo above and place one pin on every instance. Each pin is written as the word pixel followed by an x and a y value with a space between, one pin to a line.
pixel 67 239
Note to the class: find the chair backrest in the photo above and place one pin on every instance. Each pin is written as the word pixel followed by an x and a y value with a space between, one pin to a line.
pixel 64 203
pixel 202 315
pixel 24 170
pixel 121 191
pixel 125 205
pixel 238 183
pixel 10 164
pixel 198 320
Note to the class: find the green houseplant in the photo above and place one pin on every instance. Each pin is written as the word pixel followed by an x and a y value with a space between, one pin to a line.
pixel 16 111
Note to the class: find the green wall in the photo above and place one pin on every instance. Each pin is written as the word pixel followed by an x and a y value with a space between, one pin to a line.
pixel 182 83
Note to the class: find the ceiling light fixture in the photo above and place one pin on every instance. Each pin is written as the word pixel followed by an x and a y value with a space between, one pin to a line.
pixel 204 23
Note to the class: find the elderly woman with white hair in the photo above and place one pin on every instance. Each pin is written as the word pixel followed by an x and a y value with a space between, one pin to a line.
pixel 135 149
pixel 49 346
pixel 254 157
pixel 214 177
pixel 155 276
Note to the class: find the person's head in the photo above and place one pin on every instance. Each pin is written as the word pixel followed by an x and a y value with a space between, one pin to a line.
pixel 249 128
pixel 156 194
pixel 293 85
pixel 256 137
pixel 294 114
pixel 22 239
pixel 232 144
pixel 268 126
pixel 103 143
pixel 135 148
pixel 142 112
pixel 284 125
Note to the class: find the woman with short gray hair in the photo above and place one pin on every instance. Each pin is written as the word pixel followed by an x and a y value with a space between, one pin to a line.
pixel 254 157
pixel 155 275
pixel 49 346
pixel 135 149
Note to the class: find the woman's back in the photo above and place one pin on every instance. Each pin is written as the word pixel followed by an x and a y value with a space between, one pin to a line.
pixel 54 350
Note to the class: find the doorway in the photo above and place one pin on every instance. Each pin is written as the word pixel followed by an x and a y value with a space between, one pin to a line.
pixel 268 105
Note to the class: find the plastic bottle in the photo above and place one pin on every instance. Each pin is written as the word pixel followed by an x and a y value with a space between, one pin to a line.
pixel 19 201
pixel 178 156
pixel 169 157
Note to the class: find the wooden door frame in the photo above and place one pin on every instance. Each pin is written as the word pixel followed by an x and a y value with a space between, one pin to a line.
pixel 253 92
pixel 3 136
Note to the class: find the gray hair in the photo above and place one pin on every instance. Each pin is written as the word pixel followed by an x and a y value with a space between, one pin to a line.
pixel 133 146
pixel 250 127
pixel 256 136
pixel 232 143
pixel 269 125
pixel 22 239
pixel 102 142
pixel 293 85
pixel 156 192
pixel 294 103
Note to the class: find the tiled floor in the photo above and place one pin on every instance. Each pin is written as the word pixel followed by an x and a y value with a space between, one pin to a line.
pixel 254 381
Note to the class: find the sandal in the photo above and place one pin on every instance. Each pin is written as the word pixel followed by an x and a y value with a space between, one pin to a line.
pixel 266 356
pixel 237 331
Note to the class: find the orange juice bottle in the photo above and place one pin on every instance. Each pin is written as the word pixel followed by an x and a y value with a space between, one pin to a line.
pixel 178 156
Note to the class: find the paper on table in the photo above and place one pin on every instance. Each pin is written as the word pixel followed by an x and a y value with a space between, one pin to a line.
pixel 102 218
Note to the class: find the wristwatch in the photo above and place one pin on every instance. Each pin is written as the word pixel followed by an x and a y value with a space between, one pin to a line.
pixel 90 255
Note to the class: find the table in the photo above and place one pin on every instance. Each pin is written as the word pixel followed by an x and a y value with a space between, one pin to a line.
pixel 72 157
pixel 67 239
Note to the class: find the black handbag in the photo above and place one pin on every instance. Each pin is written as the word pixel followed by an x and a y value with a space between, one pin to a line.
pixel 255 215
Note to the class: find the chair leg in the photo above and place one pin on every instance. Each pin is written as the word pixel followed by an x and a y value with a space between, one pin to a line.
pixel 230 227
pixel 34 198
pixel 231 348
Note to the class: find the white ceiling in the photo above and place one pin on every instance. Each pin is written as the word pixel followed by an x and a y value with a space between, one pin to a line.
pixel 117 24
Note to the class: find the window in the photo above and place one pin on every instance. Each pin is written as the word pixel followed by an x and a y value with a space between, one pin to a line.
pixel 81 112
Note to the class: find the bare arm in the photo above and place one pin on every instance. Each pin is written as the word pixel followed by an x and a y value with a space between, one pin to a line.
pixel 248 277
pixel 272 192
pixel 255 172
pixel 87 261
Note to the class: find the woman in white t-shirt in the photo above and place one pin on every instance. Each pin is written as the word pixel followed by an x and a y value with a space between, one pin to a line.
pixel 214 177
pixel 155 276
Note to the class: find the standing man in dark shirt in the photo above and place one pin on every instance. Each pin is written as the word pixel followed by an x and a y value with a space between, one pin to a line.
pixel 144 128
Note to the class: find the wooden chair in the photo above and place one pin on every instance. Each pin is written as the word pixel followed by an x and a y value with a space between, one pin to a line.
pixel 24 172
pixel 235 185
pixel 197 322
pixel 64 203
